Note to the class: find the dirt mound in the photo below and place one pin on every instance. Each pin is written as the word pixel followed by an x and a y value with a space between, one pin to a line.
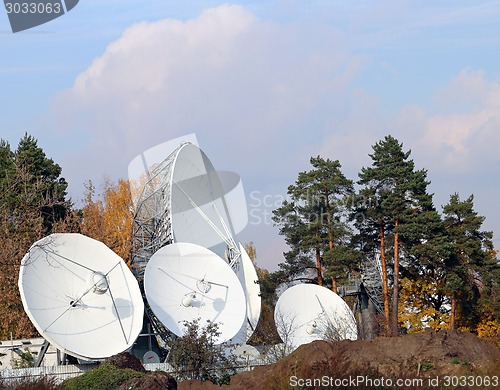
pixel 421 356
pixel 126 360
pixel 151 381
pixel 196 384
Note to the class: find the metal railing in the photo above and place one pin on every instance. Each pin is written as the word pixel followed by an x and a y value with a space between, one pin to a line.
pixel 59 373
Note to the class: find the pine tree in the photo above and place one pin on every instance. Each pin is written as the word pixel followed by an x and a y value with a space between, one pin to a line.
pixel 471 257
pixel 37 182
pixel 373 226
pixel 399 207
pixel 32 200
pixel 427 250
pixel 7 172
pixel 313 223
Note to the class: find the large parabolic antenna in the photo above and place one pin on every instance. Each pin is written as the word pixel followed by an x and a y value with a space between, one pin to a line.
pixel 81 296
pixel 308 312
pixel 184 282
pixel 183 200
pixel 152 227
pixel 199 213
pixel 247 275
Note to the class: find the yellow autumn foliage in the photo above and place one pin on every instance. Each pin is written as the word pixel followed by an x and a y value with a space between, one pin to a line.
pixel 489 331
pixel 415 313
pixel 109 218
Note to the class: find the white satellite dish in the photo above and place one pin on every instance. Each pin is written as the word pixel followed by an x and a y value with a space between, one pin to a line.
pixel 308 312
pixel 142 166
pixel 183 199
pixel 198 209
pixel 247 275
pixel 81 296
pixel 246 353
pixel 185 281
pixel 150 357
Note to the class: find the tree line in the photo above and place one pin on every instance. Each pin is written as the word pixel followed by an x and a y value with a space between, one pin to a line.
pixel 438 267
pixel 33 204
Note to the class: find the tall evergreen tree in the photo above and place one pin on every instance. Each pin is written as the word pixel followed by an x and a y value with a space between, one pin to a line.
pixel 313 224
pixel 38 182
pixel 7 172
pixel 32 199
pixel 373 226
pixel 427 250
pixel 490 295
pixel 400 201
pixel 471 257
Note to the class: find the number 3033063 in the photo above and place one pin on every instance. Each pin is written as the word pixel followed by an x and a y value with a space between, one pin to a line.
pixel 470 381
pixel 33 8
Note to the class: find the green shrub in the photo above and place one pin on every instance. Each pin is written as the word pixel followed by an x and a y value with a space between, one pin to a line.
pixel 196 356
pixel 104 377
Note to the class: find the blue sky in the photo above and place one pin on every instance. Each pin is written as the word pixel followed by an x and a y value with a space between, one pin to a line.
pixel 264 85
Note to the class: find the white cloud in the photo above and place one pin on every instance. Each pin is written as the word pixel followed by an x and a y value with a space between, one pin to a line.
pixel 457 140
pixel 254 92
pixel 246 87
pixel 262 98
pixel 462 132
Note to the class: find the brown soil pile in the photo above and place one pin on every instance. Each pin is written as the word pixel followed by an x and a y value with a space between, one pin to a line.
pixel 126 360
pixel 425 356
pixel 151 381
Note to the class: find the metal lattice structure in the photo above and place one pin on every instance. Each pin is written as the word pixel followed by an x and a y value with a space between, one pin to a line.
pixel 152 230
pixel 152 222
pixel 371 276
pixel 183 200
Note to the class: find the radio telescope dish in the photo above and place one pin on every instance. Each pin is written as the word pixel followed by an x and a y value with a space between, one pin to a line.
pixel 141 166
pixel 81 296
pixel 308 312
pixel 247 275
pixel 183 200
pixel 151 227
pixel 199 213
pixel 150 357
pixel 184 282
pixel 246 353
